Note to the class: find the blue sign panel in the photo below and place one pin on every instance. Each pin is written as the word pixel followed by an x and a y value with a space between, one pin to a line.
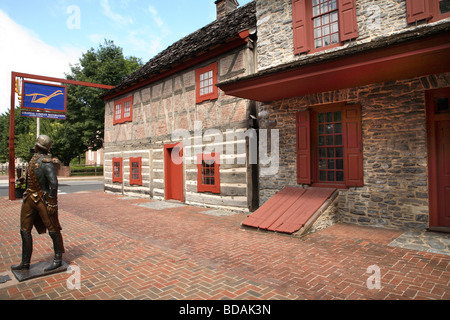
pixel 44 115
pixel 44 97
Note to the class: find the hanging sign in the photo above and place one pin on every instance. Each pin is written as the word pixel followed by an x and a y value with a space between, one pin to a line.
pixel 43 115
pixel 44 97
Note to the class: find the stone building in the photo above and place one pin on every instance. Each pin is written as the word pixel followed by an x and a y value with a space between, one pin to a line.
pixel 359 93
pixel 171 134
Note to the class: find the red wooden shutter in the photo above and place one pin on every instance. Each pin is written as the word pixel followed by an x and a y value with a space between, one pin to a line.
pixel 304 147
pixel 299 26
pixel 348 26
pixel 417 10
pixel 353 155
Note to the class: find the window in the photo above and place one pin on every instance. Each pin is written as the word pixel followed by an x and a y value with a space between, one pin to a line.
pixel 430 10
pixel 329 146
pixel 136 171
pixel 123 110
pixel 208 179
pixel 117 170
pixel 323 24
pixel 206 80
pixel 325 21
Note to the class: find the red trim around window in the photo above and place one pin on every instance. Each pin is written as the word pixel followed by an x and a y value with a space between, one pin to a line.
pixel 136 171
pixel 211 91
pixel 208 178
pixel 117 170
pixel 123 110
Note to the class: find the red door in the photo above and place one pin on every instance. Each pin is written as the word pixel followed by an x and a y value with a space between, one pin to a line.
pixel 438 122
pixel 173 171
pixel 443 171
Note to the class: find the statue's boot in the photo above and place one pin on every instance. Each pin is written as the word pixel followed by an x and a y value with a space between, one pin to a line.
pixel 27 250
pixel 58 247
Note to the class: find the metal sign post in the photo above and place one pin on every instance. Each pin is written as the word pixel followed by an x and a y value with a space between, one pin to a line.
pixel 43 96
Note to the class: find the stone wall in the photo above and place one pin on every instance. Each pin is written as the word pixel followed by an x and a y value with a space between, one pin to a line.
pixel 395 192
pixel 375 19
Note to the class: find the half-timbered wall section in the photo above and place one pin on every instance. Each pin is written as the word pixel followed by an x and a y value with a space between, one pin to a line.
pixel 186 100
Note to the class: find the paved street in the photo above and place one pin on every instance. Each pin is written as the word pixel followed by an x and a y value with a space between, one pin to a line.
pixel 68 185
pixel 129 248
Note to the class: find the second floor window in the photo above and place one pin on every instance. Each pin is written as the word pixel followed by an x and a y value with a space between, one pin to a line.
pixel 205 81
pixel 322 24
pixel 326 24
pixel 123 110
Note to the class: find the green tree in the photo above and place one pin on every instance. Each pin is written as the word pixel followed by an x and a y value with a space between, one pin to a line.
pixel 84 127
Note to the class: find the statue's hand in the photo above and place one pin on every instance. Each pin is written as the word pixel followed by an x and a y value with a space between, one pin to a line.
pixel 52 205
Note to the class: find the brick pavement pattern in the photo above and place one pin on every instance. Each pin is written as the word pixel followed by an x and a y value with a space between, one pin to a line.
pixel 125 251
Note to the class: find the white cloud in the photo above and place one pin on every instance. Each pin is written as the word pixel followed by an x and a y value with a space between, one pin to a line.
pixel 114 16
pixel 159 22
pixel 23 51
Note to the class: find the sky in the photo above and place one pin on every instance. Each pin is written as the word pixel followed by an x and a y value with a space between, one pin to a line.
pixel 45 37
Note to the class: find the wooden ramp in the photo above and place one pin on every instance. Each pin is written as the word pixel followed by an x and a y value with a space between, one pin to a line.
pixel 289 210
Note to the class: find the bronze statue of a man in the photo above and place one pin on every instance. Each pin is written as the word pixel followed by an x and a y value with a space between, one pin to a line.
pixel 40 205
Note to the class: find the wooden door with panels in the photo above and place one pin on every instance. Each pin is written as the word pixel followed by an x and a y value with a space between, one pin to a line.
pixel 438 133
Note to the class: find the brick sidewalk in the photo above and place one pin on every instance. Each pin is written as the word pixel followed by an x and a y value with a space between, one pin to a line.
pixel 126 251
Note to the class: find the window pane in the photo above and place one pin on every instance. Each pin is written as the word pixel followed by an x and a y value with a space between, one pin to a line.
pixel 330 128
pixel 322 153
pixel 329 117
pixel 444 6
pixel 334 38
pixel 330 152
pixel 326 19
pixel 340 176
pixel 320 117
pixel 321 141
pixel 338 140
pixel 330 175
pixel 334 27
pixel 316 10
pixel 317 32
pixel 339 152
pixel 330 141
pixel 317 22
pixel 326 41
pixel 333 5
pixel 338 128
pixel 340 164
pixel 322 165
pixel 330 164
pixel 318 43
